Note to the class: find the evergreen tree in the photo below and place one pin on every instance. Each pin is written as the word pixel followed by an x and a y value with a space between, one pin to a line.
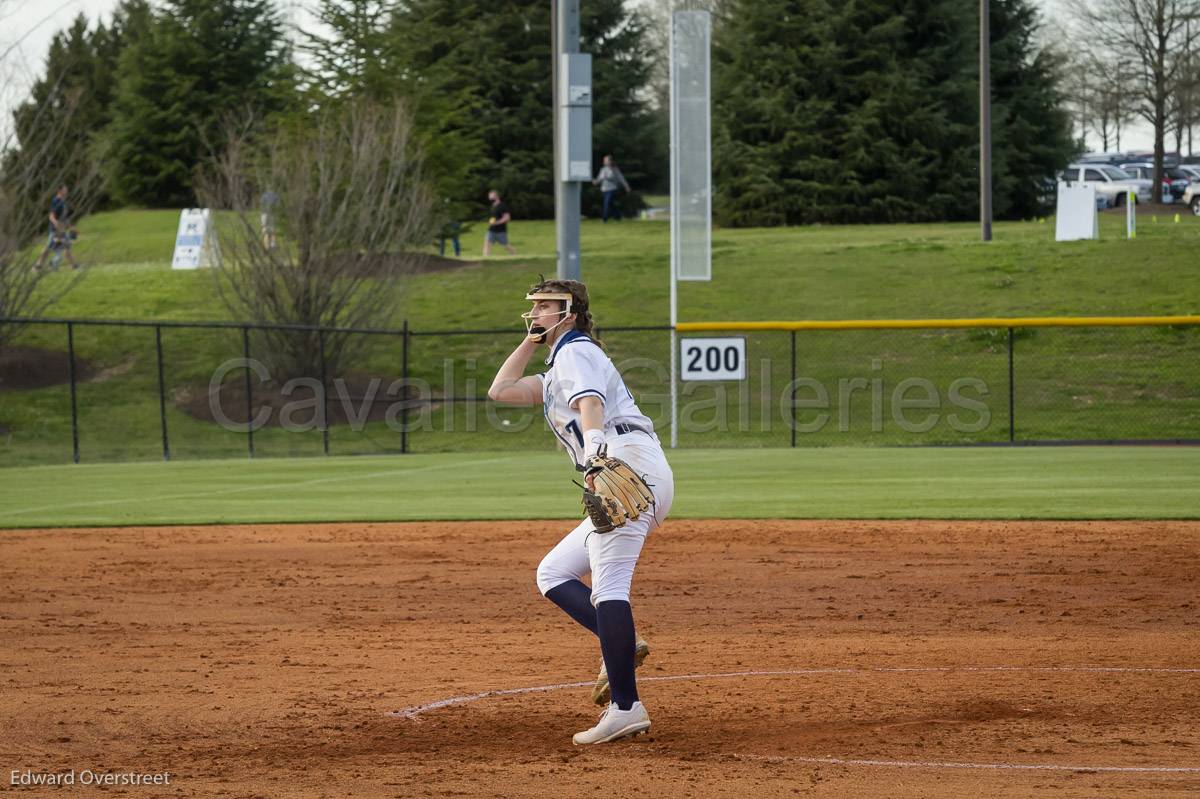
pixel 492 63
pixel 353 59
pixel 867 112
pixel 199 62
pixel 357 59
pixel 71 103
pixel 59 101
pixel 1031 129
pixel 905 110
pixel 775 67
pixel 624 122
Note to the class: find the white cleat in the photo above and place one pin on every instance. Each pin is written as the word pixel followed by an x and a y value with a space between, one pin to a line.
pixel 601 694
pixel 616 723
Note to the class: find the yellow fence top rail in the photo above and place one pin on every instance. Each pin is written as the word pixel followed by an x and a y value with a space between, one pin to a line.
pixel 929 324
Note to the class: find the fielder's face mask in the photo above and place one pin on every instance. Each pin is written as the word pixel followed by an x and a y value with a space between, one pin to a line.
pixel 536 331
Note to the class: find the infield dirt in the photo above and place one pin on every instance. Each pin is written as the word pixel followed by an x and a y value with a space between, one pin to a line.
pixel 263 660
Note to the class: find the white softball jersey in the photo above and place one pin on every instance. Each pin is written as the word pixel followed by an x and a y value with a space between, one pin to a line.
pixel 578 368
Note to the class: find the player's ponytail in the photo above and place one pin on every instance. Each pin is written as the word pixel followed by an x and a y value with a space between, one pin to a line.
pixel 587 325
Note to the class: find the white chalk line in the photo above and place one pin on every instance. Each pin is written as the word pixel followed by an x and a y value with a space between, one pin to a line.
pixel 414 712
pixel 221 492
pixel 417 710
pixel 837 761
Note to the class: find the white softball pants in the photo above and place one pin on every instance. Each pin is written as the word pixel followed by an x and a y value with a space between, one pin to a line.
pixel 611 557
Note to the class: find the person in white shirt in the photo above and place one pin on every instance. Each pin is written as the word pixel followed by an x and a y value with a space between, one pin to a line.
pixel 587 406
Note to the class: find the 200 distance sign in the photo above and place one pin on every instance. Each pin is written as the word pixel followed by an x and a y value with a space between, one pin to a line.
pixel 713 358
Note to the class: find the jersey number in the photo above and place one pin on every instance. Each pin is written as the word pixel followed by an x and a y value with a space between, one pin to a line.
pixel 573 426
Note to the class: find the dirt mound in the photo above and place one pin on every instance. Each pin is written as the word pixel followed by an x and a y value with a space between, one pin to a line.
pixel 355 398
pixel 34 367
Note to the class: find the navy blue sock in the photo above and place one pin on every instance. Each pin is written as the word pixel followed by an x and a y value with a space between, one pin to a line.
pixel 576 599
pixel 614 618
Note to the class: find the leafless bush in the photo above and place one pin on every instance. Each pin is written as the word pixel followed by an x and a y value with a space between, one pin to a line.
pixel 320 224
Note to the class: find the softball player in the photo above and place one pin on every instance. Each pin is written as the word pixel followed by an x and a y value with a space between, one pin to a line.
pixel 589 409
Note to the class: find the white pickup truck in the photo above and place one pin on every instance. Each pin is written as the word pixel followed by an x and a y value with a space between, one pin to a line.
pixel 1192 198
pixel 1114 184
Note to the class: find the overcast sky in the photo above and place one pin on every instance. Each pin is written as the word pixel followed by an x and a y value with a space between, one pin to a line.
pixel 26 27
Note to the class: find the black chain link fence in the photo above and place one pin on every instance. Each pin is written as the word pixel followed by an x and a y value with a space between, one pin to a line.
pixel 953 386
pixel 147 391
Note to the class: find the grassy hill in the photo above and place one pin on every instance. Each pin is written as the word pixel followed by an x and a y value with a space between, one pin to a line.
pixel 822 272
pixel 896 271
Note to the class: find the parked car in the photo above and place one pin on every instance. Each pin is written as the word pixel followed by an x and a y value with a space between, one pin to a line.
pixel 1112 159
pixel 1109 181
pixel 1191 198
pixel 1192 171
pixel 1180 179
pixel 1169 158
pixel 1175 183
pixel 1048 195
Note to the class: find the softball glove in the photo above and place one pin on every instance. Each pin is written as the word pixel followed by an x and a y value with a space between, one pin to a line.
pixel 618 493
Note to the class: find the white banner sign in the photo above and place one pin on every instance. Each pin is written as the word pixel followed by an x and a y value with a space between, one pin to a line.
pixel 1076 215
pixel 194 245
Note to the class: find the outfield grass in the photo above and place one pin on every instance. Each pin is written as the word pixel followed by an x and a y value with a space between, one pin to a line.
pixel 1075 384
pixel 1046 483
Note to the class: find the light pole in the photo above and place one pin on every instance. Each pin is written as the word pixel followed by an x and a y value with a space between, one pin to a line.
pixel 564 27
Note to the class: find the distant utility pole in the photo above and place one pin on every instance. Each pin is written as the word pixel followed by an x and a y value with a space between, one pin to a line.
pixel 1190 82
pixel 985 123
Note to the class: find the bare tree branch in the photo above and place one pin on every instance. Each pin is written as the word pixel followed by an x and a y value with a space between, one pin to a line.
pixel 325 220
pixel 34 162
pixel 1154 35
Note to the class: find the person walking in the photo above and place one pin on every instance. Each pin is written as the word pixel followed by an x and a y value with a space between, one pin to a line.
pixel 610 179
pixel 498 220
pixel 61 232
pixel 270 231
